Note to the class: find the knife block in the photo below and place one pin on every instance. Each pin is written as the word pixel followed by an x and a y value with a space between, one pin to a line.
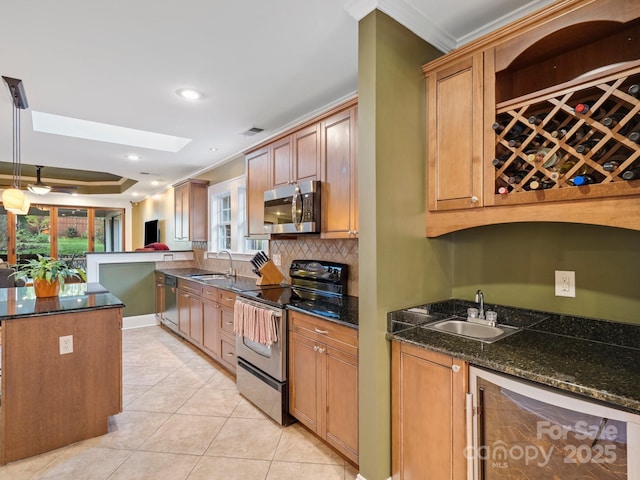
pixel 270 274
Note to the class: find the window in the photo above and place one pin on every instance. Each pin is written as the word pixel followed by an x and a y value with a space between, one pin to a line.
pixel 228 218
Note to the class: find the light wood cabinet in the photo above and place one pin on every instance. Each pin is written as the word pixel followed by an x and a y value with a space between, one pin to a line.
pixel 159 302
pixel 258 182
pixel 190 315
pixel 219 340
pixel 323 380
pixel 455 135
pixel 539 68
pixel 190 208
pixel 322 149
pixel 428 429
pixel 340 175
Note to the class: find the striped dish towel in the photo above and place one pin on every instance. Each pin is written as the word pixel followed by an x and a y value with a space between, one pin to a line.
pixel 255 323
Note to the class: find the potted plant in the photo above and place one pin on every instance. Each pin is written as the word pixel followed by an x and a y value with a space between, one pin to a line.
pixel 48 274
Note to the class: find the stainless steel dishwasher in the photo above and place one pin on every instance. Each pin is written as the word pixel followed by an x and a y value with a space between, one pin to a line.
pixel 170 315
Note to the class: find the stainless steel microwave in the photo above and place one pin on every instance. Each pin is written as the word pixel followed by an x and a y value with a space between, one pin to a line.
pixel 293 208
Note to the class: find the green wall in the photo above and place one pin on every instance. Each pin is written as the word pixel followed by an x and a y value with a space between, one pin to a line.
pixel 398 266
pixel 514 264
pixel 133 283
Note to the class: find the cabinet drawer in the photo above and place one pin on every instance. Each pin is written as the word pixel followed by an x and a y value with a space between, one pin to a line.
pixel 226 320
pixel 226 298
pixel 228 351
pixel 324 331
pixel 190 287
pixel 210 293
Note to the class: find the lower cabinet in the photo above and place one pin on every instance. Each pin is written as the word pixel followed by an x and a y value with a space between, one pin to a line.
pixel 219 341
pixel 428 428
pixel 159 307
pixel 323 380
pixel 190 310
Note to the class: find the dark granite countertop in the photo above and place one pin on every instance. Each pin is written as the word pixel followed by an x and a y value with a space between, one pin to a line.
pixel 344 313
pixel 595 358
pixel 21 302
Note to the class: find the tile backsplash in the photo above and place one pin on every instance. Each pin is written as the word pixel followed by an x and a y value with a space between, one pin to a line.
pixel 302 248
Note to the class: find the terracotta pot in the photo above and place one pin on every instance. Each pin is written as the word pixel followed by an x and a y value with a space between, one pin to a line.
pixel 44 288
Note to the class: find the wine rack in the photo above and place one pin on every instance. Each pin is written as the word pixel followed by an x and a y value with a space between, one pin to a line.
pixel 547 151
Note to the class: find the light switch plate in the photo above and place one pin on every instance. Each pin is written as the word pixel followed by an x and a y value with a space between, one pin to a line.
pixel 66 344
pixel 565 283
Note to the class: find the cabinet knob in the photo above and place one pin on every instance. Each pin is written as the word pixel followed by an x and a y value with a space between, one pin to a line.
pixel 474 199
pixel 455 368
pixel 320 350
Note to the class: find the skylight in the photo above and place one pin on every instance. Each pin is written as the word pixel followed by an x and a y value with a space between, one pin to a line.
pixel 102 132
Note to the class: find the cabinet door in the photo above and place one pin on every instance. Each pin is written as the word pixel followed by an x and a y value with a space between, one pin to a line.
pixel 428 415
pixel 306 153
pixel 339 176
pixel 281 153
pixel 159 304
pixel 211 334
pixel 341 409
pixel 257 183
pixel 303 381
pixel 455 136
pixel 184 312
pixel 198 212
pixel 181 209
pixel 195 319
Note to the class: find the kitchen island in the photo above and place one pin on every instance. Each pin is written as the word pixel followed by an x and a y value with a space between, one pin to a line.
pixel 61 367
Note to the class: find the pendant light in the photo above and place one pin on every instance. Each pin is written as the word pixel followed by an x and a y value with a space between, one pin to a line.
pixel 14 199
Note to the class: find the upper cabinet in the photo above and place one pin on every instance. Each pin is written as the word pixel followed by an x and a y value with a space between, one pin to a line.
pixel 190 207
pixel 296 158
pixel 258 182
pixel 340 175
pixel 538 121
pixel 455 135
pixel 321 149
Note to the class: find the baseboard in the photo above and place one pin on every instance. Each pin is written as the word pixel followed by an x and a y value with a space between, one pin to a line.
pixel 138 321
pixel 360 477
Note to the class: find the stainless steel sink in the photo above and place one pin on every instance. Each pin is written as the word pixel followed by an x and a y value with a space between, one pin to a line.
pixel 209 276
pixel 484 333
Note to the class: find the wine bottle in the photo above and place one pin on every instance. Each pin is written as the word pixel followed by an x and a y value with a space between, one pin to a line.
pixel 586 147
pixel 612 120
pixel 585 179
pixel 535 142
pixel 569 164
pixel 515 165
pixel 540 184
pixel 635 136
pixel 515 130
pixel 634 90
pixel 587 107
pixel 631 174
pixel 551 125
pixel 613 163
pixel 517 176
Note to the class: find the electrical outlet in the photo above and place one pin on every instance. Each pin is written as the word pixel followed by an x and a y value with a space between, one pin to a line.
pixel 565 283
pixel 66 344
pixel 277 259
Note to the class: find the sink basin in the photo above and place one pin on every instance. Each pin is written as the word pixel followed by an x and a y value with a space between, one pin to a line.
pixel 209 276
pixel 484 333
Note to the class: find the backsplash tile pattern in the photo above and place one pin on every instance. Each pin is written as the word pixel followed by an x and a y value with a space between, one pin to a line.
pixel 314 248
pixel 307 248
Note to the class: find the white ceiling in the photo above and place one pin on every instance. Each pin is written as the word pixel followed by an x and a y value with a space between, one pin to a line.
pixel 258 63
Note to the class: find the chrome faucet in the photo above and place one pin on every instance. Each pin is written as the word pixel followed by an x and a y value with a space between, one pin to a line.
pixel 230 272
pixel 480 300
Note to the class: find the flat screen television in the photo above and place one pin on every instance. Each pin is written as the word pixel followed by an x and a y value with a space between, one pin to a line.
pixel 151 232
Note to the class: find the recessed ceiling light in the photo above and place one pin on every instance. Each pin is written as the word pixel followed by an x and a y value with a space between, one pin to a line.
pixel 213 149
pixel 189 93
pixel 133 156
pixel 102 132
pixel 155 182
pixel 135 194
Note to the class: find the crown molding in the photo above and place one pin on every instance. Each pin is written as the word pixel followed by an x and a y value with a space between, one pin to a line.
pixel 405 14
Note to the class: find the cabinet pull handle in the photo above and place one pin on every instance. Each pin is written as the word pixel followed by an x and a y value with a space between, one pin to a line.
pixel 322 332
pixel 228 299
pixel 228 323
pixel 229 354
pixel 455 368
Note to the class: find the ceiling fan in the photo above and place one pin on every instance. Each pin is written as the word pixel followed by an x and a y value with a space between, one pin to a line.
pixel 41 188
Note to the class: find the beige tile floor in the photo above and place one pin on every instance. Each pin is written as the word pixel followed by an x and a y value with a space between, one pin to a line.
pixel 183 418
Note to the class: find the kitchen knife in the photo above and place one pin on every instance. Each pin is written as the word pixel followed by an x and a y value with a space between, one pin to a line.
pixel 264 257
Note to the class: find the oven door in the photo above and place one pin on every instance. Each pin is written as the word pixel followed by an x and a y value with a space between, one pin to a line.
pixel 272 359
